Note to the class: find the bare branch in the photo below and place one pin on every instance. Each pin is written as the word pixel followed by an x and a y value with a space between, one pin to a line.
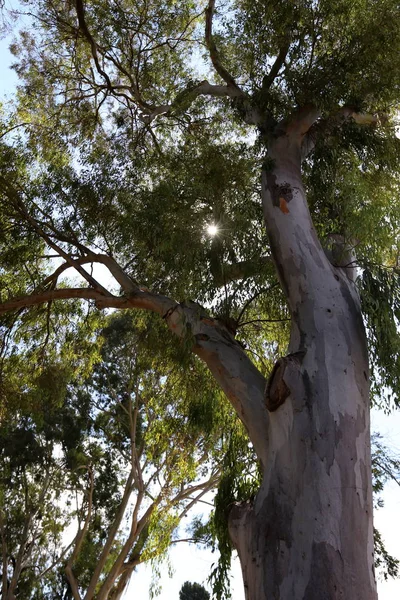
pixel 80 11
pixel 24 552
pixel 111 536
pixel 56 561
pixel 118 566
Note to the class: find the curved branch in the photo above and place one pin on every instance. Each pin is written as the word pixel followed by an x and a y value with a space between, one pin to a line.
pixel 203 88
pixel 212 342
pixel 80 12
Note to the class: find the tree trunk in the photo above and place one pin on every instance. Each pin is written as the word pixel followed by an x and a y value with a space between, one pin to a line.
pixel 308 534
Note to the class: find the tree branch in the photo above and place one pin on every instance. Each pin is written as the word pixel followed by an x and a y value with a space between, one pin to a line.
pixel 111 537
pixel 15 199
pixel 59 294
pixel 212 342
pixel 327 126
pixel 4 555
pixel 238 377
pixel 280 59
pixel 79 540
pixel 212 48
pixel 80 12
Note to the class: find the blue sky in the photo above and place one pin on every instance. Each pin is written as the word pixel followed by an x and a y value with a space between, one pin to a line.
pixel 193 565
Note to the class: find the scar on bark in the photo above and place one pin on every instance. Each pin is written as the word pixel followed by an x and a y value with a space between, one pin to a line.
pixel 277 390
pixel 281 194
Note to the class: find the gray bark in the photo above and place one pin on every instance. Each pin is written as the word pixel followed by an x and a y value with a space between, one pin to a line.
pixel 308 534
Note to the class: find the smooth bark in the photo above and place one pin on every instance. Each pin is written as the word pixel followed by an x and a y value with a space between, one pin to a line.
pixel 308 534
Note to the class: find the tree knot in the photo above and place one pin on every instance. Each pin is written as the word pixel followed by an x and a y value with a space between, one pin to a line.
pixel 277 389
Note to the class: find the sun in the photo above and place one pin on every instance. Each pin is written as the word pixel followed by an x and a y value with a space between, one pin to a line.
pixel 212 229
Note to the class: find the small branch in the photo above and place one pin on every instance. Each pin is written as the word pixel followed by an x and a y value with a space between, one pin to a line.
pixel 80 12
pixel 56 561
pixel 252 298
pixel 14 196
pixel 118 566
pixel 111 537
pixel 24 549
pixel 7 131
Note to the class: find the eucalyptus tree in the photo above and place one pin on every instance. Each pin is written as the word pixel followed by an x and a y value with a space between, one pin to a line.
pixel 147 120
pixel 118 458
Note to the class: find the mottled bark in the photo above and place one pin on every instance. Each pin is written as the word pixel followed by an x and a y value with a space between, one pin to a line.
pixel 308 534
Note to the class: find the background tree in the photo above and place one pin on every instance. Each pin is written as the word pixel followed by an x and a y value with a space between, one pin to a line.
pixel 135 153
pixel 193 591
pixel 120 457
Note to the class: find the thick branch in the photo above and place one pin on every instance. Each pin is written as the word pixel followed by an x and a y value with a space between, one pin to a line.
pixel 279 61
pixel 212 48
pixel 203 88
pixel 60 294
pixel 212 342
pixel 233 370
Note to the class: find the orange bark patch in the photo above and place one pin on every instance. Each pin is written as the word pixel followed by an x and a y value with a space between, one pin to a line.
pixel 283 205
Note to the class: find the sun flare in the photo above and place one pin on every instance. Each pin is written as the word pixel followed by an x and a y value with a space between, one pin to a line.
pixel 212 229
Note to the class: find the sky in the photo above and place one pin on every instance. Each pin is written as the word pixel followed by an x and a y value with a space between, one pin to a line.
pixel 191 564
